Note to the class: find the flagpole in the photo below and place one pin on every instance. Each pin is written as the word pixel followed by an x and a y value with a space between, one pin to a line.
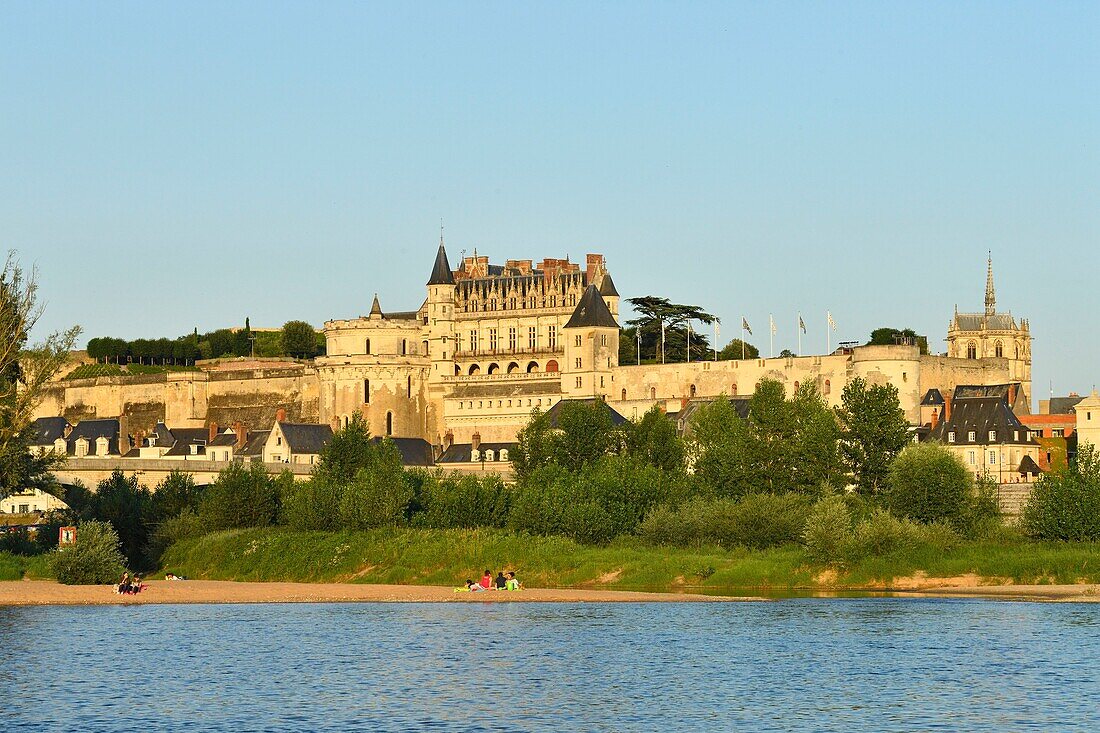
pixel 742 338
pixel 771 336
pixel 714 329
pixel 689 342
pixel 828 339
pixel 662 340
pixel 798 327
pixel 638 333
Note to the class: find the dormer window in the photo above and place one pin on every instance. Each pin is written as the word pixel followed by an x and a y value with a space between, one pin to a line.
pixel 951 437
pixel 504 454
pixel 971 436
pixel 489 455
pixel 1016 435
pixel 475 455
pixel 992 435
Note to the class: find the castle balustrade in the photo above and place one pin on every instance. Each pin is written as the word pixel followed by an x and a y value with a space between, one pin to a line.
pixel 505 353
pixel 554 377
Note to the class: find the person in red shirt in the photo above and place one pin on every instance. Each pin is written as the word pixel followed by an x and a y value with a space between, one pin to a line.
pixel 486 580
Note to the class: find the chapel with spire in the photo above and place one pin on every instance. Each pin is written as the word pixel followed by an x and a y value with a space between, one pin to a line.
pixel 992 334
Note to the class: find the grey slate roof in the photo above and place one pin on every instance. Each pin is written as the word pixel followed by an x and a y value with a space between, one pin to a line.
pixel 306 437
pixel 461 452
pixel 977 321
pixel 607 287
pixel 254 445
pixel 1063 405
pixel 932 397
pixel 414 451
pixel 592 311
pixel 92 430
pixel 224 439
pixel 441 271
pixel 981 415
pixel 45 430
pixel 554 412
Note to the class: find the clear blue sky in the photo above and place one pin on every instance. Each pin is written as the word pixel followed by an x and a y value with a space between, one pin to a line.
pixel 173 167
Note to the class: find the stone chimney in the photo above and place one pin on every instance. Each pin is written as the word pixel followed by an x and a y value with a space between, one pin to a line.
pixel 213 432
pixel 475 441
pixel 1011 395
pixel 139 438
pixel 449 439
pixel 946 409
pixel 935 418
pixel 242 435
pixel 280 415
pixel 592 265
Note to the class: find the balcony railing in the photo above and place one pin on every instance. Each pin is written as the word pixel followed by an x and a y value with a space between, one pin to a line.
pixel 504 353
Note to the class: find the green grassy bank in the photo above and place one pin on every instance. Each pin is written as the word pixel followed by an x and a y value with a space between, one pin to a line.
pixel 446 557
pixel 17 567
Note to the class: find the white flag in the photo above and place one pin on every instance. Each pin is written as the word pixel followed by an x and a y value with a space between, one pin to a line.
pixel 771 321
pixel 832 323
pixel 717 330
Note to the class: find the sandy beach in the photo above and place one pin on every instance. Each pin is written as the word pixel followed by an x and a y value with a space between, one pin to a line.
pixel 47 592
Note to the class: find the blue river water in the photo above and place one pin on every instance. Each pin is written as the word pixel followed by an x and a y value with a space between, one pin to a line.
pixel 872 664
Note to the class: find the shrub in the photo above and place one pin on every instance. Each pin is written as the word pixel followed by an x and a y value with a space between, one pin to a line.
pixel 17 541
pixel 127 505
pixel 313 504
pixel 463 502
pixel 610 497
pixel 881 534
pixel 929 483
pixel 1065 505
pixel 828 530
pixel 174 494
pixel 170 531
pixel 95 559
pixel 757 521
pixel 240 497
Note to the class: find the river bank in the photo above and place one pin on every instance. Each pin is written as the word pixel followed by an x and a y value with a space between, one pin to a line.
pixel 50 593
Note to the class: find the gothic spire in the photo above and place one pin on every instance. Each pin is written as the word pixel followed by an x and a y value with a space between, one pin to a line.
pixel 990 297
pixel 375 308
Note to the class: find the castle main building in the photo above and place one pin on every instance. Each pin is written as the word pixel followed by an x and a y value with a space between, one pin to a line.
pixel 492 342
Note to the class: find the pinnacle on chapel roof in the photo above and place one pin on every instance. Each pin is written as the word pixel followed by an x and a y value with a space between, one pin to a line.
pixel 375 308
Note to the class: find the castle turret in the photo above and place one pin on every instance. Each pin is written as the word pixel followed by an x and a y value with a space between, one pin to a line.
pixel 591 347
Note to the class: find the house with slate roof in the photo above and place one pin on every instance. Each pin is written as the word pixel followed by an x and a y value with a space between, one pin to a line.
pixel 295 442
pixel 980 427
pixel 48 434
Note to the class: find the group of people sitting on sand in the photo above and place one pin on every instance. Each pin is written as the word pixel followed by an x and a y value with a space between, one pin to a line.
pixel 503 581
pixel 129 586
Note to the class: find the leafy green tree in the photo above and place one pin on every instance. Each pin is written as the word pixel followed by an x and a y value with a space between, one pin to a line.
pixel 787 354
pixel 242 496
pixel 1065 505
pixel 585 434
pixel 299 339
pixel 349 452
pixel 733 351
pixel 928 483
pixel 814 457
pixel 314 504
pixel 654 440
pixel 874 432
pixel 378 497
pixel 128 506
pixel 652 312
pixel 718 449
pixel 95 559
pixel 174 494
pixel 25 373
pixel 889 336
pixel 534 445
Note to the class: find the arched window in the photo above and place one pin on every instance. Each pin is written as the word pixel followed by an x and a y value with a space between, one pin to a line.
pixel 389 423
pixel 828 386
pixel 532 367
pixel 692 390
pixel 409 387
pixel 346 420
pixel 366 391
pixel 513 368
pixel 504 454
pixel 494 368
pixel 458 370
pixel 796 386
pixel 368 346
pixel 404 346
pixel 652 393
pixel 552 366
pixel 475 369
pixel 971 350
pixel 624 396
pixel 733 389
pixel 1017 351
pixel 424 346
pixel 489 455
pixel 998 349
